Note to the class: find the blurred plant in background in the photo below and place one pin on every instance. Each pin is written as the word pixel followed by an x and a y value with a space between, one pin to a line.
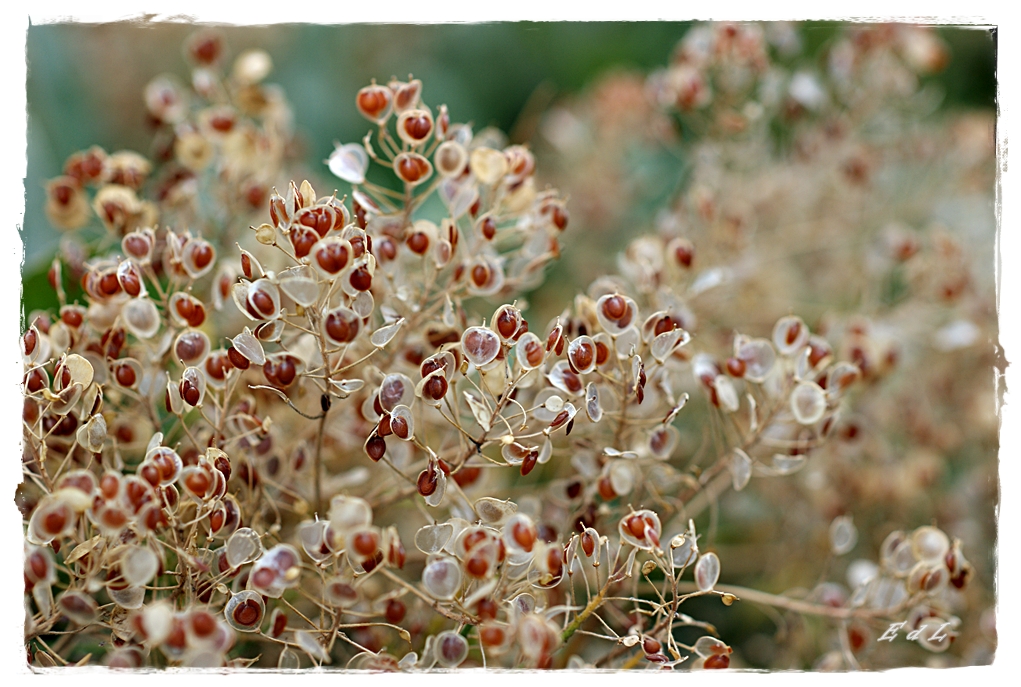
pixel 237 417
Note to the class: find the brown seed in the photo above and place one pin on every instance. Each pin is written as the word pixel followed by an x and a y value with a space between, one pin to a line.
pixel 376 447
pixel 361 280
pixel 418 243
pixel 428 480
pixel 125 376
pixel 736 367
pixel 614 307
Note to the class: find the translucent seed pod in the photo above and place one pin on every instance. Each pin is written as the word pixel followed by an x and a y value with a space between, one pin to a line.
pixel 339 591
pixel 616 314
pixel 641 529
pixel 563 378
pixel 843 535
pixel 684 550
pixel 593 406
pixel 740 467
pixel 300 285
pixel 415 126
pixel 488 165
pixel 707 571
pixel 349 162
pixel 441 578
pixel 757 355
pixel 51 519
pixel 451 649
pixel 789 335
pixel 331 255
pixel 808 403
pixel 664 344
pixel 244 546
pixel 192 386
pixel 929 544
pixel 529 351
pixel 385 334
pixel 581 353
pixel 78 607
pixel 129 597
pixel 726 394
pixel 402 423
pixel 663 441
pixel 191 347
pixel 412 168
pixel 139 565
pixel 141 317
pixel 198 257
pixel 262 300
pixel 430 539
pixel 480 345
pixel 396 389
pixel 520 533
pixel 348 513
pixel 450 159
pixel 341 326
pixel 375 103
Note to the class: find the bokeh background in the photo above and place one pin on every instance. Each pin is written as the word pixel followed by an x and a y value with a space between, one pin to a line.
pixel 85 85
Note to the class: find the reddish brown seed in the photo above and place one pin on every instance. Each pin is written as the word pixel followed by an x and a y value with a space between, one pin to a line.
pixel 792 332
pixel 428 480
pixel 684 254
pixel 150 473
pixel 54 522
pixel 717 662
pixel 664 324
pixel 340 328
pixel 488 228
pixel 125 375
pixel 816 353
pixel 417 127
pixel 395 611
pixel 651 645
pixel 237 360
pixel 467 476
pixel 109 285
pixel 279 624
pixel 35 381
pixel 524 536
pixel 477 566
pixel 246 265
pixel 201 254
pixel 71 317
pixel 361 280
pixel 436 387
pixel 533 353
pixel 735 367
pixel 399 426
pixel 217 366
pixel 198 482
pixel 247 613
pixel 386 249
pixel 528 464
pixel 588 544
pixel 263 302
pixel 492 635
pixel 189 392
pixel 560 217
pixel 303 241
pixel 636 525
pixel 411 168
pixel 372 101
pixel 375 447
pixel 614 307
pixel 418 243
pixel 507 322
pixel 480 275
pixel 365 543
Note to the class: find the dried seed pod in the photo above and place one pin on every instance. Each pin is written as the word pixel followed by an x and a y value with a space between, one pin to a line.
pixel 616 313
pixel 451 649
pixel 450 159
pixel 412 168
pixel 245 611
pixel 707 571
pixel 341 325
pixel 489 166
pixel 789 335
pixel 349 162
pixel 480 345
pixel 375 103
pixel 808 403
pixel 141 317
pixel 191 347
pixel 441 577
pixel 415 126
pixel 262 300
pixel 641 529
pixel 581 353
pixel 529 351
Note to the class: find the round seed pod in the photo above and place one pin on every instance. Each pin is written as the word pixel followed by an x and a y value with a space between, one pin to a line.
pixel 245 611
pixel 441 578
pixel 480 345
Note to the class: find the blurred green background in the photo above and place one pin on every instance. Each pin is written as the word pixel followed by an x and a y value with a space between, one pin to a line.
pixel 85 83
